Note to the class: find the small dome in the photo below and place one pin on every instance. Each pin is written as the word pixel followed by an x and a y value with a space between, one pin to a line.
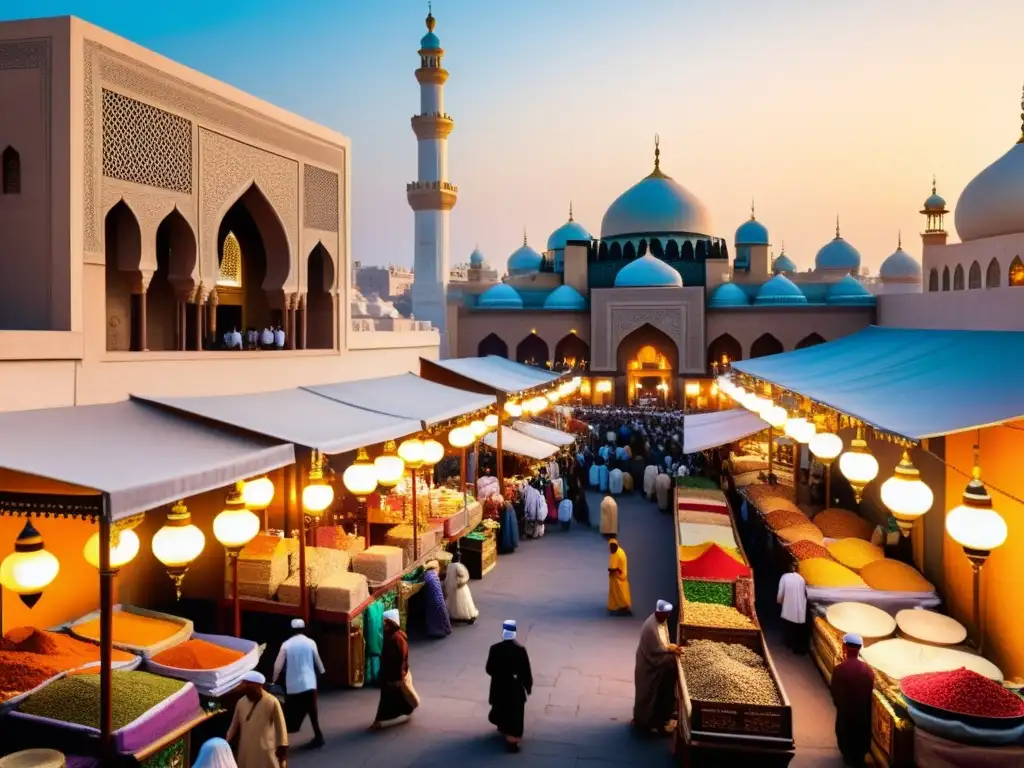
pixel 783 265
pixel 752 231
pixel 992 204
pixel 900 267
pixel 849 291
pixel 648 272
pixel 570 231
pixel 501 296
pixel 838 255
pixel 524 260
pixel 429 42
pixel 565 297
pixel 780 290
pixel 476 258
pixel 728 295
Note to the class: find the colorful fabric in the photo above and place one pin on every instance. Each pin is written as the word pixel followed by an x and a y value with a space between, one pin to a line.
pixel 373 634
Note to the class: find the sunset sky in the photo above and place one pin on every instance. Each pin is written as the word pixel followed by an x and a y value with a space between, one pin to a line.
pixel 812 107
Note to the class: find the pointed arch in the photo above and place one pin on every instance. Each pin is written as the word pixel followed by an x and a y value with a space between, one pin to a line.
pixel 958 278
pixel 571 352
pixel 810 340
pixel 655 248
pixel 974 276
pixel 602 251
pixel 628 252
pixel 319 319
pixel 716 250
pixel 945 278
pixel 1016 273
pixel 686 252
pixel 723 350
pixel 533 350
pixel 672 251
pixel 765 345
pixel 10 171
pixel 933 279
pixel 492 344
pixel 649 358
pixel 615 252
pixel 993 275
pixel 271 231
pixel 172 284
pixel 700 253
pixel 122 245
pixel 641 248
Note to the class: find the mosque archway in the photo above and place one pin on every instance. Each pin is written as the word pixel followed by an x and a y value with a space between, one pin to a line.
pixel 122 247
pixel 765 345
pixel 10 171
pixel 628 252
pixel 958 278
pixel 933 279
pixel 650 360
pixel 319 318
pixel 701 251
pixel 615 252
pixel 167 315
pixel 725 349
pixel 945 278
pixel 993 275
pixel 533 350
pixel 602 252
pixel 974 276
pixel 571 352
pixel 810 340
pixel 672 251
pixel 1016 274
pixel 492 344
pixel 716 250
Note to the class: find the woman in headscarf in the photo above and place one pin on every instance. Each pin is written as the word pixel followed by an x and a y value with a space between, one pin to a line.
pixel 397 696
pixel 508 539
pixel 438 622
pixel 456 592
pixel 619 600
pixel 215 753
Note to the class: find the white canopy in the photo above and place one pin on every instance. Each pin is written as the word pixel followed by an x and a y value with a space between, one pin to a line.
pixel 296 416
pixel 541 432
pixel 141 456
pixel 709 430
pixel 517 442
pixel 407 396
pixel 498 373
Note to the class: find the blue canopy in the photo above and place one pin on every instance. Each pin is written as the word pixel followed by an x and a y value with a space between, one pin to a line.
pixel 910 382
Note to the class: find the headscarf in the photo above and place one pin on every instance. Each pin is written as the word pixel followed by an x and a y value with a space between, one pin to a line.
pixel 508 629
pixel 215 753
pixel 393 615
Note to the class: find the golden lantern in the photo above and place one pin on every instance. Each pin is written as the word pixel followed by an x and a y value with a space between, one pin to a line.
pixel 389 466
pixel 318 494
pixel 360 479
pixel 461 437
pixel 552 397
pixel 124 546
pixel 30 568
pixel 178 543
pixel 775 415
pixel 258 493
pixel 433 452
pixel 690 389
pixel 479 427
pixel 826 447
pixel 858 466
pixel 491 420
pixel 411 451
pixel 906 495
pixel 603 387
pixel 236 525
pixel 513 409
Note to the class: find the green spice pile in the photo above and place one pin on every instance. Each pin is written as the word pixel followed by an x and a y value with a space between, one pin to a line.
pixel 707 592
pixel 76 699
pixel 727 672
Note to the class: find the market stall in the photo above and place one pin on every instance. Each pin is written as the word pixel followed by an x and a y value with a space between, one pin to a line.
pixel 544 434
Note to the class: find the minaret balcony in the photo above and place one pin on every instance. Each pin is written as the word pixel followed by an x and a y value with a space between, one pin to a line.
pixel 436 125
pixel 431 195
pixel 433 75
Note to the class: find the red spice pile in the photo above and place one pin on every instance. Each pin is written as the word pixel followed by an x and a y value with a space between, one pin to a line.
pixel 715 563
pixel 805 550
pixel 963 692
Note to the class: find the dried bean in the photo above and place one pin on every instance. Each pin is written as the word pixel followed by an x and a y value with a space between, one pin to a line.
pixel 712 615
pixel 727 672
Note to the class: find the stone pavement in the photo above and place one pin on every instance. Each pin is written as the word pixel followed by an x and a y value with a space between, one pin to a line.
pixel 579 714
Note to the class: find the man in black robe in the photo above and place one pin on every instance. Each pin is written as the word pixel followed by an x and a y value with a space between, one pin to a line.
pixel 852 685
pixel 508 664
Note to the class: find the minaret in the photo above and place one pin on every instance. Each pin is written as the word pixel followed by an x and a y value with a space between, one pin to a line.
pixel 934 211
pixel 432 196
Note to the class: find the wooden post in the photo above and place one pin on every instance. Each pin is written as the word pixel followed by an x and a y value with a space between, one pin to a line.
pixel 463 469
pixel 143 327
pixel 295 494
pixel 236 603
pixel 498 442
pixel 771 478
pixel 106 638
pixel 303 330
pixel 415 521
pixel 291 327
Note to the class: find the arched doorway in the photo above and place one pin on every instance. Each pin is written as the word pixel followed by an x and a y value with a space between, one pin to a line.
pixel 811 340
pixel 571 352
pixel 533 350
pixel 1016 275
pixel 650 361
pixel 492 345
pixel 319 318
pixel 992 274
pixel 724 350
pixel 122 247
pixel 765 345
pixel 167 316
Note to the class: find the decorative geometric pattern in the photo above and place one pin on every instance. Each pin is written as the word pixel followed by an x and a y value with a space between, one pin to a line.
pixel 320 199
pixel 145 145
pixel 230 262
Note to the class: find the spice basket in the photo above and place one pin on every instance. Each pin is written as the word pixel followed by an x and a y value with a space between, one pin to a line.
pixel 206 680
pixel 183 634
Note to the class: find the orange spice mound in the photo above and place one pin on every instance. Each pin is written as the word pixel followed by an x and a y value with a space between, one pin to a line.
pixel 62 650
pixel 20 672
pixel 197 654
pixel 131 629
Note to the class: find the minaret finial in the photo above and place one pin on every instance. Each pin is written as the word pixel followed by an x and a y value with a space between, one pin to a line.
pixel 657 152
pixel 933 184
pixel 570 210
pixel 782 251
pixel 751 209
pixel 430 17
pixel 837 227
pixel 524 235
pixel 899 240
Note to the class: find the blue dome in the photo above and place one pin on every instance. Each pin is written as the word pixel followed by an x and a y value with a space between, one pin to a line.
pixel 565 297
pixel 728 295
pixel 838 255
pixel 752 232
pixel 524 260
pixel 501 296
pixel 780 290
pixel 850 292
pixel 900 267
pixel 648 272
pixel 476 258
pixel 783 265
pixel 429 42
pixel 934 202
pixel 571 230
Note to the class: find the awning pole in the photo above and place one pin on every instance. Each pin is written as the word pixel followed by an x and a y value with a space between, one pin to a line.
pixel 771 474
pixel 106 638
pixel 498 443
pixel 293 495
pixel 462 472
pixel 415 520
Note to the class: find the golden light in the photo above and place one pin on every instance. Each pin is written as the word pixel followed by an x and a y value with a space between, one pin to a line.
pixel 235 526
pixel 433 452
pixel 461 437
pixel 714 390
pixel 776 416
pixel 359 478
pixel 906 495
pixel 389 466
pixel 793 426
pixel 553 396
pixel 804 431
pixel 858 466
pixel 577 382
pixel 603 387
pixel 974 524
pixel 30 568
pixel 826 447
pixel 756 403
pixel 491 420
pixel 479 427
pixel 124 546
pixel 515 410
pixel 258 492
pixel 178 543
pixel 691 389
pixel 411 451
pixel 318 494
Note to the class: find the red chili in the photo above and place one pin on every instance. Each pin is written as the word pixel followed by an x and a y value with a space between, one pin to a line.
pixel 963 692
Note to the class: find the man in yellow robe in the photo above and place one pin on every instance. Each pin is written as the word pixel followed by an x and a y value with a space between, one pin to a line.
pixel 619 600
pixel 259 725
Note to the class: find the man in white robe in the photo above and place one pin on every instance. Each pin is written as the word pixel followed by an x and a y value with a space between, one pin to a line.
pixel 656 672
pixel 259 724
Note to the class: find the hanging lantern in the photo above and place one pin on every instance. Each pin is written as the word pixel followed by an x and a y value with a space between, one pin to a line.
pixel 540 404
pixel 360 478
pixel 124 546
pixel 433 451
pixel 906 495
pixel 515 410
pixel 258 493
pixel 974 524
pixel 552 396
pixel 793 426
pixel 461 437
pixel 858 466
pixel 411 451
pixel 30 568
pixel 491 420
pixel 318 494
pixel 178 543
pixel 389 466
pixel 826 447
pixel 804 431
pixel 479 427
pixel 236 525
pixel 776 416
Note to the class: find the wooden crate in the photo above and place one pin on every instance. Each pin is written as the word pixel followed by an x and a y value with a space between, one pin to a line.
pixel 751 638
pixel 892 733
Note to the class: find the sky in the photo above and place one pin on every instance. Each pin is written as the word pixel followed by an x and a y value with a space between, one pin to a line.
pixel 813 108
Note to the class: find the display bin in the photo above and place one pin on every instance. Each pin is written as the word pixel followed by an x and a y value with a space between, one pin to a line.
pixel 479 557
pixel 748 637
pixel 343 652
pixel 892 733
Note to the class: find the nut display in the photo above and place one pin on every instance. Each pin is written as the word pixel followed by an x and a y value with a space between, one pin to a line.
pixel 714 615
pixel 695 591
pixel 727 672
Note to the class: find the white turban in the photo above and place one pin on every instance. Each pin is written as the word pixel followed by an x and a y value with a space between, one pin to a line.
pixel 393 615
pixel 663 606
pixel 508 629
pixel 298 624
pixel 254 677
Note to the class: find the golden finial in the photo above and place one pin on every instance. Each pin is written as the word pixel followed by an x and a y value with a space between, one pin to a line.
pixel 524 235
pixel 933 184
pixel 782 251
pixel 656 173
pixel 751 209
pixel 837 227
pixel 570 210
pixel 899 240
pixel 430 17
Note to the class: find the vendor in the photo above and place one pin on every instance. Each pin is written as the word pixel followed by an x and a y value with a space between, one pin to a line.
pixel 259 725
pixel 852 685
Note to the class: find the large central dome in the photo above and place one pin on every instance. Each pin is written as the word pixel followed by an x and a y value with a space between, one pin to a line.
pixel 657 204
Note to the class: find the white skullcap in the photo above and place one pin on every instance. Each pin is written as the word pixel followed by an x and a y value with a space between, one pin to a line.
pixel 254 677
pixel 851 638
pixel 392 615
pixel 663 606
pixel 508 629
pixel 298 624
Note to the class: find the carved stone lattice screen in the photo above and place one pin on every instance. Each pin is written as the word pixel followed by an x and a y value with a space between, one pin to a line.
pixel 145 145
pixel 320 199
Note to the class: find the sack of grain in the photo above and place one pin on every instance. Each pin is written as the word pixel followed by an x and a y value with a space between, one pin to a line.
pixel 379 563
pixel 342 592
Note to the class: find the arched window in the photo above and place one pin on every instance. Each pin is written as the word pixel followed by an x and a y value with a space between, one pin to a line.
pixel 1016 272
pixel 533 350
pixel 655 248
pixel 958 278
pixel 945 278
pixel 974 276
pixel 492 345
pixel 811 340
pixel 602 251
pixel 628 252
pixel 11 171
pixel 724 350
pixel 230 263
pixel 765 345
pixel 993 275
pixel 615 252
pixel 686 252
pixel 701 251
pixel 933 279
pixel 641 248
pixel 672 250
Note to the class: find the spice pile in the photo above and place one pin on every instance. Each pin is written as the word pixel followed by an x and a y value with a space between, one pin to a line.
pixel 805 550
pixel 76 699
pixel 828 574
pixel 692 552
pixel 804 531
pixel 714 615
pixel 197 654
pixel 707 592
pixel 727 672
pixel 131 629
pixel 894 576
pixel 714 563
pixel 758 494
pixel 855 553
pixel 963 692
pixel 784 518
pixel 838 523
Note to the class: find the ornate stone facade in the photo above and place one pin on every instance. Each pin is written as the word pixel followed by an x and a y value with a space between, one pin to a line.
pixel 319 199
pixel 146 145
